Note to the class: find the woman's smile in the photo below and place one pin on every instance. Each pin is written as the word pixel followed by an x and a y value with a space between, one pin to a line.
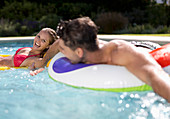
pixel 37 45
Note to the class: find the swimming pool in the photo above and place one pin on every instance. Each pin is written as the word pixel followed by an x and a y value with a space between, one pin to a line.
pixel 39 97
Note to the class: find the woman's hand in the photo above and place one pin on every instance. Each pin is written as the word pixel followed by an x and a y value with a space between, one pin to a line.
pixel 35 71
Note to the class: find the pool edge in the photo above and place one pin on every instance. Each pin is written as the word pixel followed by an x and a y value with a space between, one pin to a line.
pixel 157 39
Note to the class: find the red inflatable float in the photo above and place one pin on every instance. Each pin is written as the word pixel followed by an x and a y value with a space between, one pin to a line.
pixel 162 56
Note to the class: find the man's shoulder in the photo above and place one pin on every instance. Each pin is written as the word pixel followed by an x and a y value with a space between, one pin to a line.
pixel 118 43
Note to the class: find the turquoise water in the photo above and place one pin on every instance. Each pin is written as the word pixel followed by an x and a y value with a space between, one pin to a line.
pixel 39 97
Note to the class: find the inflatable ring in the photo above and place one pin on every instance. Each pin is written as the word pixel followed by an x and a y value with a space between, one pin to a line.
pixel 94 76
pixel 162 56
pixel 103 77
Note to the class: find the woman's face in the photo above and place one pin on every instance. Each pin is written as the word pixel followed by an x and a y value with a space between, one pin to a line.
pixel 41 40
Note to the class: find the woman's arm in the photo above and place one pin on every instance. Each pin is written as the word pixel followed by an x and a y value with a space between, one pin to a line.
pixel 51 52
pixel 41 62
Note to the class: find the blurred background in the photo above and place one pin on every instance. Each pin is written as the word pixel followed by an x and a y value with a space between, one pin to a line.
pixel 27 17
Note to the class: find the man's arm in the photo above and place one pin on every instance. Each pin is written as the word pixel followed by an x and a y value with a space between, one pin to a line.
pixel 142 65
pixel 149 71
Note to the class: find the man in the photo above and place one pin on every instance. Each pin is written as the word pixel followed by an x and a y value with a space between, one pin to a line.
pixel 79 43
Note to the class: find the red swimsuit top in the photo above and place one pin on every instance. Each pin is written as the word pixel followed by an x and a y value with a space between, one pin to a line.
pixel 18 58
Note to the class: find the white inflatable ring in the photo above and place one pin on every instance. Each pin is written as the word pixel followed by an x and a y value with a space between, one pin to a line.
pixel 94 76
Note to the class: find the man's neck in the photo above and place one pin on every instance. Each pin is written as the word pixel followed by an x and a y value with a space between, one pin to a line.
pixel 95 57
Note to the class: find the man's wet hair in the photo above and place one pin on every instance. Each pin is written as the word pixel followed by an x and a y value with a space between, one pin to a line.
pixel 80 32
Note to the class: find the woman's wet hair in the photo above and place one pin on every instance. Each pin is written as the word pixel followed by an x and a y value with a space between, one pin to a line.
pixel 80 32
pixel 52 34
pixel 53 37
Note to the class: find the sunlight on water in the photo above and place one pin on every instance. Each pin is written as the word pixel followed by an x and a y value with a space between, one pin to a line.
pixel 25 97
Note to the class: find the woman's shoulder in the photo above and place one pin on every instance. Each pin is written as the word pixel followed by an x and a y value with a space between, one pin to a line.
pixel 26 48
pixel 23 49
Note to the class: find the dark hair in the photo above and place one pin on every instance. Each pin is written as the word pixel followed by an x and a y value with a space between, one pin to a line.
pixel 80 32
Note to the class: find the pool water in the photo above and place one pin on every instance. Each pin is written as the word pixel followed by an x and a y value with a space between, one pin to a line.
pixel 38 97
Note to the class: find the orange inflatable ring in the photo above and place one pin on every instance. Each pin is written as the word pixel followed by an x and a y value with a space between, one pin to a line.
pixel 162 56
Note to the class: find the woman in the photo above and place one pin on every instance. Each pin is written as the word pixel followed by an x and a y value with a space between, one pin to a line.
pixel 26 56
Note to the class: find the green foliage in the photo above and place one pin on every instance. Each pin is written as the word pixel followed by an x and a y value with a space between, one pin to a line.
pixel 163 29
pixel 25 10
pixel 26 17
pixel 30 17
pixel 17 10
pixel 50 21
pixel 74 10
pixel 11 28
pixel 136 16
pixel 27 27
pixel 111 21
pixel 144 29
pixel 157 15
pixel 7 28
pixel 141 29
